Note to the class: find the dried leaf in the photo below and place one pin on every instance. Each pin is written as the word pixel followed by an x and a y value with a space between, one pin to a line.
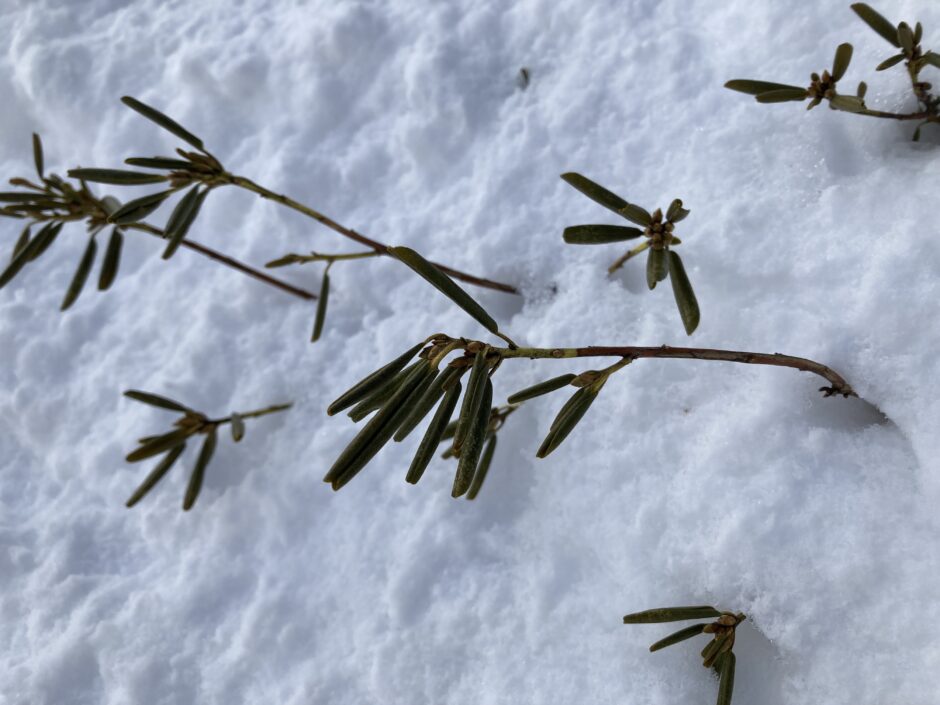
pixel 678 636
pixel 163 121
pixel 537 390
pixel 840 62
pixel 155 400
pixel 116 176
pixel 683 293
pixel 156 475
pixel 373 381
pixel 445 285
pixel 595 191
pixel 671 614
pixel 81 275
pixel 435 433
pixel 182 218
pixel 485 460
pixel 199 470
pixel 877 22
pixel 112 258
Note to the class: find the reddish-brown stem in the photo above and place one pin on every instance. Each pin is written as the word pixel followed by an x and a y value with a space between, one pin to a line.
pixel 375 245
pixel 230 262
pixel 898 116
pixel 837 383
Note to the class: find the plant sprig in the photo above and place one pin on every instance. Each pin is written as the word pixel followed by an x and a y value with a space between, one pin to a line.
pixel 404 391
pixel 661 262
pixel 51 202
pixel 824 86
pixel 172 443
pixel 201 172
pixel 717 654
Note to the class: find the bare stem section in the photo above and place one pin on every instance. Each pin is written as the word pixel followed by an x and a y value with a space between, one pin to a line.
pixel 837 384
pixel 378 247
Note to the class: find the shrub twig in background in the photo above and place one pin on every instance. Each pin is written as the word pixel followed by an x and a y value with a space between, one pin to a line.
pixel 172 444
pixel 661 261
pixel 53 202
pixel 823 87
pixel 717 654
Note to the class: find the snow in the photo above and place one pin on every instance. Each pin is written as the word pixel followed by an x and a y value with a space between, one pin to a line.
pixel 687 482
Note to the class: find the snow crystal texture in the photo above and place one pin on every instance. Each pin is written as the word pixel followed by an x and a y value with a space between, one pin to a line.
pixel 687 483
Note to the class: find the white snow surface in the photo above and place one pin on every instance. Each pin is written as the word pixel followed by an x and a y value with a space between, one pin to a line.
pixel 813 234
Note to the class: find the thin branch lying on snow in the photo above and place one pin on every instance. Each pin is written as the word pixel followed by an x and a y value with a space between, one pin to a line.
pixel 172 444
pixel 53 202
pixel 823 86
pixel 403 394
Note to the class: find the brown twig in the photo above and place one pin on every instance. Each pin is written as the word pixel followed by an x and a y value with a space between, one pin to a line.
pixel 231 262
pixel 837 383
pixel 375 245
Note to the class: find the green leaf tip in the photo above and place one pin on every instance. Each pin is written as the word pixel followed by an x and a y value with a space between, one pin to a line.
pixel 155 475
pixel 81 275
pixel 443 283
pixel 678 636
pixel 744 85
pixel 671 614
pixel 37 155
pixel 199 470
pixel 783 95
pixel 155 400
pixel 321 308
pixel 878 23
pixel 595 191
pixel 120 177
pixel 163 121
pixel 840 62
pixel 683 294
